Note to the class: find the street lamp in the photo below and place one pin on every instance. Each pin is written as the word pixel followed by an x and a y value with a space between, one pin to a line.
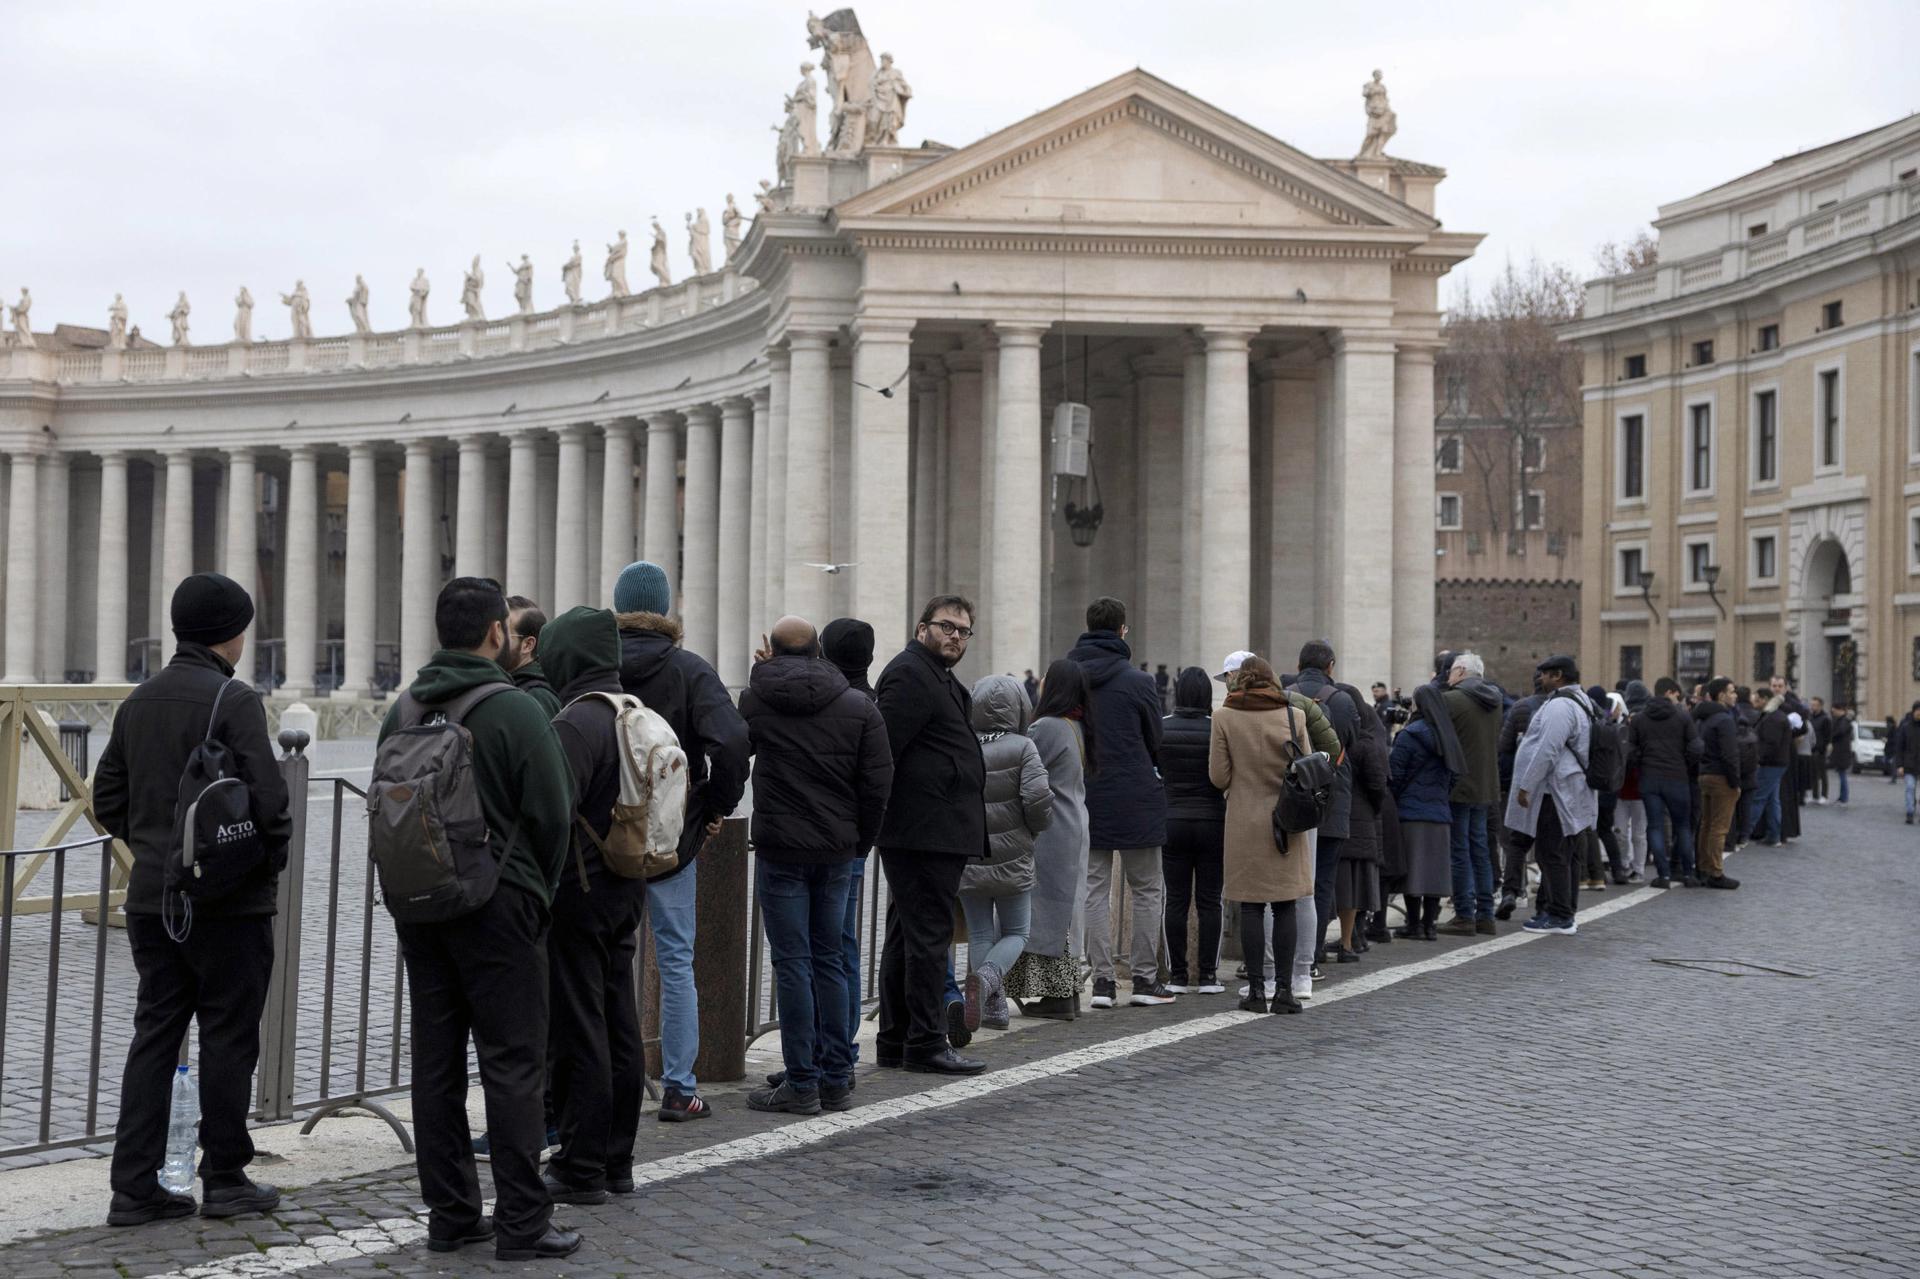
pixel 1646 593
pixel 1711 574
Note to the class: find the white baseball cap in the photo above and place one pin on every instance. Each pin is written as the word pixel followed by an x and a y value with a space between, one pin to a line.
pixel 1233 663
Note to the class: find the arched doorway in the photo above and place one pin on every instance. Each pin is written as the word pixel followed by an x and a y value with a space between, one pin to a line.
pixel 1826 648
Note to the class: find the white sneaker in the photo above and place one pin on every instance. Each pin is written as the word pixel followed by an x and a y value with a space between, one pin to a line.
pixel 1179 989
pixel 1265 990
pixel 1209 988
pixel 1303 988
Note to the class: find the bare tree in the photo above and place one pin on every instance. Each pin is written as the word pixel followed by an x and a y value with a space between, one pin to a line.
pixel 1640 251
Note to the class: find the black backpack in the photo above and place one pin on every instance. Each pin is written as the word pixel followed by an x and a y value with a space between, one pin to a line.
pixel 216 842
pixel 1307 790
pixel 1606 761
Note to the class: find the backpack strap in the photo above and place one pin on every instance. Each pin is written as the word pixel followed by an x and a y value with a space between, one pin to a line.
pixel 215 712
pixel 457 710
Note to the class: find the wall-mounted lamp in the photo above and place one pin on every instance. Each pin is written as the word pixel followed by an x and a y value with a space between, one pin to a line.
pixel 1646 593
pixel 1711 575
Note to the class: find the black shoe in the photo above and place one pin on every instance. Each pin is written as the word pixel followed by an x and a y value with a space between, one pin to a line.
pixel 566 1192
pixel 784 1100
pixel 1286 1003
pixel 1408 932
pixel 1458 926
pixel 1360 946
pixel 1722 881
pixel 889 1061
pixel 1486 928
pixel 161 1205
pixel 1661 881
pixel 620 1181
pixel 1505 909
pixel 237 1201
pixel 945 1062
pixel 836 1099
pixel 1344 956
pixel 1313 971
pixel 482 1233
pixel 555 1243
pixel 1103 992
pixel 957 1033
pixel 1252 1003
pixel 777 1078
pixel 1149 992
pixel 1428 932
pixel 1055 1008
pixel 677 1108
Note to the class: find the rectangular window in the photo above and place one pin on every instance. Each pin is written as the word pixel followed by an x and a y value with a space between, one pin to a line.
pixel 1633 457
pixel 1766 562
pixel 1766 437
pixel 1699 448
pixel 1633 560
pixel 1769 337
pixel 1533 454
pixel 1449 512
pixel 1692 662
pixel 1631 665
pixel 1831 316
pixel 1763 661
pixel 1829 440
pixel 1533 509
pixel 1757 230
pixel 1699 558
pixel 1449 455
pixel 1703 352
pixel 1636 366
pixel 1456 395
pixel 1913 542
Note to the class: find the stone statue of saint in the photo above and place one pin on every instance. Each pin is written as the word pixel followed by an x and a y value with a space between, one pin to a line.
pixel 700 241
pixel 787 146
pixel 22 319
pixel 523 284
pixel 1382 123
pixel 805 110
pixel 470 291
pixel 730 221
pixel 357 306
pixel 417 299
pixel 657 260
pixel 616 268
pixel 570 276
pixel 764 196
pixel 242 317
pixel 117 324
pixel 848 63
pixel 887 108
pixel 302 308
pixel 179 316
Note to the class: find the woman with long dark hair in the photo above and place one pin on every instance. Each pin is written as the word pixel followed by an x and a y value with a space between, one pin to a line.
pixel 1046 978
pixel 1196 830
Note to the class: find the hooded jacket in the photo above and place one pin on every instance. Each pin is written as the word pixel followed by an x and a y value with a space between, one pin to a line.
pixel 822 771
pixel 1718 731
pixel 848 644
pixel 1126 804
pixel 1343 714
pixel 1663 742
pixel 136 786
pixel 684 691
pixel 1019 802
pixel 1368 759
pixel 1474 706
pixel 1776 738
pixel 1512 728
pixel 1904 751
pixel 1551 763
pixel 938 774
pixel 582 648
pixel 532 680
pixel 526 791
pixel 1417 771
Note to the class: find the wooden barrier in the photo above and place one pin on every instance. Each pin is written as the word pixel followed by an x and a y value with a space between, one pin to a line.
pixel 20 717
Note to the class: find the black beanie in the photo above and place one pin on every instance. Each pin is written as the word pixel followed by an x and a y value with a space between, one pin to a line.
pixel 848 644
pixel 210 609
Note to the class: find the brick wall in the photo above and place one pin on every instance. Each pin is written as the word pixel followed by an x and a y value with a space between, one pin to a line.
pixel 1513 625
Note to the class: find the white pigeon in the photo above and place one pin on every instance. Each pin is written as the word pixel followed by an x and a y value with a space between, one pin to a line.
pixel 833 568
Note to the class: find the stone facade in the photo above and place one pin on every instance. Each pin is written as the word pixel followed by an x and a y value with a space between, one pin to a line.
pixel 1512 623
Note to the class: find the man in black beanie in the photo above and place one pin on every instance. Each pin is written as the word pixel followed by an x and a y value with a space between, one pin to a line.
pixel 216 974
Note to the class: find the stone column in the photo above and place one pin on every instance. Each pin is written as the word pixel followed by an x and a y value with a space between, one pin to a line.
pixel 23 568
pixel 1293 615
pixel 243 541
pixel 470 532
pixel 977 661
pixel 756 611
pixel 774 563
pixel 1014 626
pixel 178 553
pixel 699 588
pixel 1225 564
pixel 809 476
pixel 736 482
pixel 362 603
pixel 110 608
pixel 1163 568
pixel 419 563
pixel 1413 534
pixel 966 478
pixel 881 484
pixel 570 524
pixel 499 502
pixel 546 516
pixel 591 574
pixel 301 586
pixel 662 542
pixel 1193 396
pixel 926 485
pixel 56 495
pixel 1359 523
pixel 616 509
pixel 523 512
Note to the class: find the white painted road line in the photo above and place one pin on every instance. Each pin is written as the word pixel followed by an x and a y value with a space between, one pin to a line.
pixel 397 1233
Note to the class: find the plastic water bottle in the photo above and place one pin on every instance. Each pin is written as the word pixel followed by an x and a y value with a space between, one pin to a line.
pixel 183 1134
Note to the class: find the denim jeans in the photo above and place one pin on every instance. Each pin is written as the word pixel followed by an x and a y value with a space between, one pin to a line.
pixel 1910 781
pixel 670 913
pixel 850 950
pixel 997 927
pixel 803 908
pixel 1472 863
pixel 1669 799
pixel 1766 803
pixel 1842 773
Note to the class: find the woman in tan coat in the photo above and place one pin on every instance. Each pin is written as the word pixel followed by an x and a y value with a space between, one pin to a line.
pixel 1256 735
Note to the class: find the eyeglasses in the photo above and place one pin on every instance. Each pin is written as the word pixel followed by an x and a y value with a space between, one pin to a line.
pixel 951 629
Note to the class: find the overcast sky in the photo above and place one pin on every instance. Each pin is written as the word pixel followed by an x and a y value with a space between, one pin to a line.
pixel 159 147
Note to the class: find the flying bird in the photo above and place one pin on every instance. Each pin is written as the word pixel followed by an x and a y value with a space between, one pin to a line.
pixel 886 392
pixel 510 408
pixel 603 397
pixel 833 568
pixel 685 382
pixel 406 417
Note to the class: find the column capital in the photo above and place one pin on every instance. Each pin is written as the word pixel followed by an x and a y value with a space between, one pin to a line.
pixel 1014 334
pixel 615 426
pixel 664 422
pixel 474 442
pixel 1416 352
pixel 362 450
pixel 882 329
pixel 808 339
pixel 112 457
pixel 303 452
pixel 419 446
pixel 238 451
pixel 523 437
pixel 1226 339
pixel 1360 342
pixel 570 432
pixel 736 406
pixel 779 358
pixel 702 415
pixel 762 397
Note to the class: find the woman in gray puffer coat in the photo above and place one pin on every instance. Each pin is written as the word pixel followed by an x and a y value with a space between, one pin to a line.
pixel 998 895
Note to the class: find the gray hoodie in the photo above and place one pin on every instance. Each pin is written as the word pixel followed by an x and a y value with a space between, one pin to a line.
pixel 1019 801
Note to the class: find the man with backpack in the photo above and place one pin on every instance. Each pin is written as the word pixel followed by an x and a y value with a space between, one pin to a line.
pixel 521 657
pixel 1719 781
pixel 1315 680
pixel 201 956
pixel 470 905
pixel 1552 800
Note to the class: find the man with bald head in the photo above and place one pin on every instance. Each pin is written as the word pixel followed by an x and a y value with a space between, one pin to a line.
pixel 822 772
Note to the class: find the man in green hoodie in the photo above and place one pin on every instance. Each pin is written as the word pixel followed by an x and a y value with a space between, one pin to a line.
pixel 485 973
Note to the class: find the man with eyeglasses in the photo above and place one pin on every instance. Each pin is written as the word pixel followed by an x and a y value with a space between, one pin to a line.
pixel 936 820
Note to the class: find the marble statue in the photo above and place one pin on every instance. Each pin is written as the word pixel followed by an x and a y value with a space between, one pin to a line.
pixel 117 324
pixel 616 268
pixel 805 110
pixel 570 276
pixel 700 241
pixel 787 146
pixel 302 307
pixel 523 284
pixel 417 299
pixel 657 261
pixel 22 319
pixel 887 107
pixel 470 291
pixel 357 306
pixel 730 221
pixel 1382 123
pixel 848 63
pixel 179 316
pixel 764 196
pixel 242 316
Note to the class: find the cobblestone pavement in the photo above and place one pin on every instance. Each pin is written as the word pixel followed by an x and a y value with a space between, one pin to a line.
pixel 1549 1106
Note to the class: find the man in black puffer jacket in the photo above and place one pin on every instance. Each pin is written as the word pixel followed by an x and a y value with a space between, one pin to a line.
pixel 1192 863
pixel 1663 744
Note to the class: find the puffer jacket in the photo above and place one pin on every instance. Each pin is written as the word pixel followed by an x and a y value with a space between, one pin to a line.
pixel 1418 774
pixel 1019 801
pixel 1191 794
pixel 1126 805
pixel 1662 741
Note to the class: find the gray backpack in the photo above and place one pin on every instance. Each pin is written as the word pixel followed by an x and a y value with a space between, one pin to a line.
pixel 427 834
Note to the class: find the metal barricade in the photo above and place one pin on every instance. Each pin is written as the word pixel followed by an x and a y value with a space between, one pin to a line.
pixel 75 740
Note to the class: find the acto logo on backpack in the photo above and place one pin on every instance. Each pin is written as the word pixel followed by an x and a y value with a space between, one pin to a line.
pixel 233 831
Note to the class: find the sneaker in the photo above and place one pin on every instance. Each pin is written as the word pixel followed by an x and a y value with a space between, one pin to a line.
pixel 1538 924
pixel 1722 881
pixel 1252 1004
pixel 837 1099
pixel 1102 993
pixel 1180 987
pixel 1210 985
pixel 235 1201
pixel 482 1149
pixel 1486 927
pixel 785 1100
pixel 1661 881
pixel 680 1107
pixel 1634 878
pixel 1458 926
pixel 1561 925
pixel 1303 988
pixel 1314 973
pixel 1505 909
pixel 1147 991
pixel 959 1033
pixel 161 1205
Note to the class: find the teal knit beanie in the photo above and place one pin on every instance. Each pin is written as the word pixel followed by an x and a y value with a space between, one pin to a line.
pixel 642 587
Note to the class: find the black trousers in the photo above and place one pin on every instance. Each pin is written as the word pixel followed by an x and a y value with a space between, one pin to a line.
pixel 1193 866
pixel 1253 941
pixel 596 1071
pixel 484 975
pixel 1514 847
pixel 1326 861
pixel 1557 853
pixel 218 976
pixel 922 889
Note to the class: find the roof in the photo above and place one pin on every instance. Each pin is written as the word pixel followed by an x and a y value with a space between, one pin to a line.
pixel 1801 164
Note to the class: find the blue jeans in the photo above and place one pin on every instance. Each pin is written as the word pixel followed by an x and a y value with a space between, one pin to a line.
pixel 1669 799
pixel 803 909
pixel 1910 781
pixel 1842 773
pixel 850 951
pixel 997 941
pixel 1472 863
pixel 670 913
pixel 1766 803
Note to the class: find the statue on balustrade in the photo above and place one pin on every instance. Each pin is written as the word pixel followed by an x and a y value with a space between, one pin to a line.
pixel 523 284
pixel 570 276
pixel 700 242
pixel 470 291
pixel 730 221
pixel 117 324
pixel 764 196
pixel 302 307
pixel 242 317
pixel 848 63
pixel 887 109
pixel 179 316
pixel 22 321
pixel 657 260
pixel 805 109
pixel 357 306
pixel 417 299
pixel 1382 123
pixel 787 145
pixel 616 269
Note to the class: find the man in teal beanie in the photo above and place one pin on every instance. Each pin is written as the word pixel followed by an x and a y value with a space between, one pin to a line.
pixel 642 588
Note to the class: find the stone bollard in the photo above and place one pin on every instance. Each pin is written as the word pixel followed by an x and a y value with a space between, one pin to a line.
pixel 301 718
pixel 721 918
